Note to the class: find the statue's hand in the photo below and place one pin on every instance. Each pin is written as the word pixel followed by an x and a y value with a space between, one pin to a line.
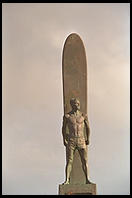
pixel 87 142
pixel 65 142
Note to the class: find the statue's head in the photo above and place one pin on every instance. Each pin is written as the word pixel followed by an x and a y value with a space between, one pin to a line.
pixel 75 104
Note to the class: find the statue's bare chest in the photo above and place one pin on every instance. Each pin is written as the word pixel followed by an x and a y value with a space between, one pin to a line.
pixel 76 119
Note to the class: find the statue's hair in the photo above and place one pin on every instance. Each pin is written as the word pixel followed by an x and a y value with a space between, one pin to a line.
pixel 72 101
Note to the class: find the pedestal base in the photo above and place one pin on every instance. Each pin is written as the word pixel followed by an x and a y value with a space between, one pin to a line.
pixel 77 189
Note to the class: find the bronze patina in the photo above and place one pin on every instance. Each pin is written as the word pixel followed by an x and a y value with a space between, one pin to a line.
pixel 76 121
pixel 74 72
pixel 75 127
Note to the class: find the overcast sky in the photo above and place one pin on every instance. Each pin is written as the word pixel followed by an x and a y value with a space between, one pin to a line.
pixel 33 36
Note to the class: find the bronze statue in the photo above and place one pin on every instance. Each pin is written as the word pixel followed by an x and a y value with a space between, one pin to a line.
pixel 75 120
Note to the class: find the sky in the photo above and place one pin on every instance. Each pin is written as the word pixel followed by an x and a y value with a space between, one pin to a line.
pixel 33 36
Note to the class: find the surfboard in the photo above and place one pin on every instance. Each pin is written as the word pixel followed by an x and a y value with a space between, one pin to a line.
pixel 74 73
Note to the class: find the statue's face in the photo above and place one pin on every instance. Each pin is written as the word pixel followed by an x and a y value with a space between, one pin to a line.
pixel 76 105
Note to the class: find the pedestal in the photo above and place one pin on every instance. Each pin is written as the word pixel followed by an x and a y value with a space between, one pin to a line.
pixel 77 189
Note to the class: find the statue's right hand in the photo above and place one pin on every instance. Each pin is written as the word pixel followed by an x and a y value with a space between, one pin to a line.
pixel 65 142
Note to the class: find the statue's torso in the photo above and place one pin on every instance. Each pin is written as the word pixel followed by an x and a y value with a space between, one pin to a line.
pixel 75 125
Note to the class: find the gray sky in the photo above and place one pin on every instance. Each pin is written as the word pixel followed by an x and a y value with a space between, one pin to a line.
pixel 33 36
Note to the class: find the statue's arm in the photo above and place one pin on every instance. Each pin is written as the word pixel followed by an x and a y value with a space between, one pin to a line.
pixel 87 129
pixel 64 130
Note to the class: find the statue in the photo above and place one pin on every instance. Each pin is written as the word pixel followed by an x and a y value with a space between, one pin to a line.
pixel 76 121
pixel 75 127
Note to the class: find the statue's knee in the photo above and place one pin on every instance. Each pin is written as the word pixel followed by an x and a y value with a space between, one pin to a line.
pixel 70 161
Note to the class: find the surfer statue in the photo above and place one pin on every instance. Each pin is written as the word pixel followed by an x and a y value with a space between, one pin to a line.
pixel 75 120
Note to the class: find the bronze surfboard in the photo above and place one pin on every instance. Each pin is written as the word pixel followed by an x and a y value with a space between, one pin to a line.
pixel 74 72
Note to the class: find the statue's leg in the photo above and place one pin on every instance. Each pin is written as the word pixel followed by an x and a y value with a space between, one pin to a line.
pixel 83 155
pixel 70 155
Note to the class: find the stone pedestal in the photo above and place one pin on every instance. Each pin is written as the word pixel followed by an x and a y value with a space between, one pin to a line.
pixel 77 189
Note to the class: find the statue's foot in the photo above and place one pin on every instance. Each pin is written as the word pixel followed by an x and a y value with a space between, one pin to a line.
pixel 88 182
pixel 66 182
